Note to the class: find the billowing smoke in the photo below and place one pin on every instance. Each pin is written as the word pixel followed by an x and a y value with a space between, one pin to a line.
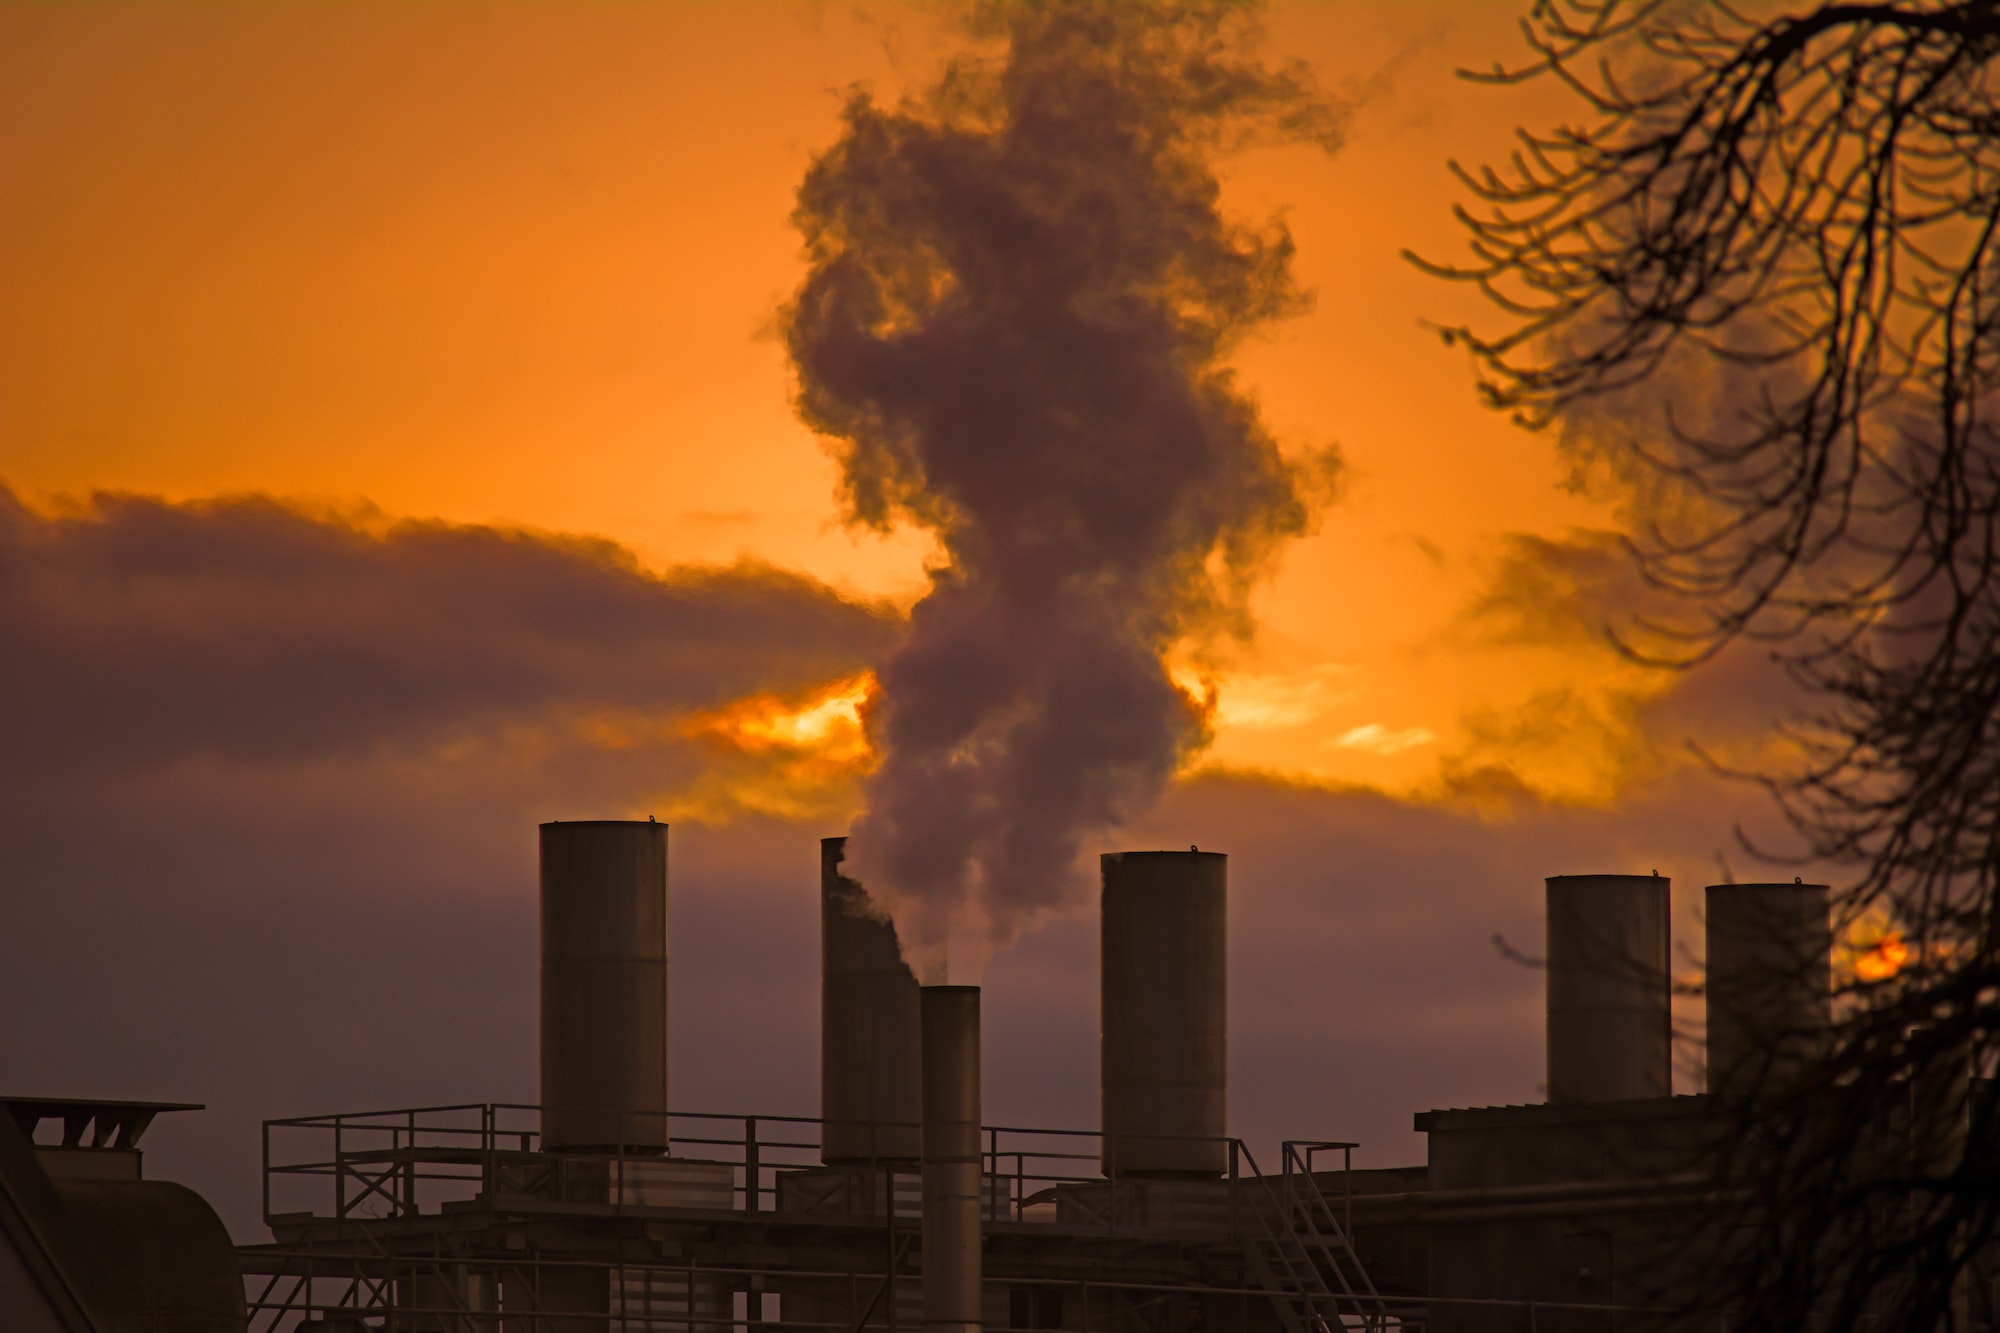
pixel 1014 329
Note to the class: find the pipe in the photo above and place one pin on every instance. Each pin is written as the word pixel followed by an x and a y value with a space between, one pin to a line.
pixel 1610 1035
pixel 604 986
pixel 1563 1198
pixel 1770 949
pixel 1165 1014
pixel 871 1081
pixel 952 1162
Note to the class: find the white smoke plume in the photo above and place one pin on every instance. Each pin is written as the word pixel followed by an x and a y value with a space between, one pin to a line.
pixel 1014 330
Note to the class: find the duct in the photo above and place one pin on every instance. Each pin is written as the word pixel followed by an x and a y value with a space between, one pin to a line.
pixel 951 1159
pixel 1609 1028
pixel 1770 948
pixel 1164 973
pixel 169 1258
pixel 871 1088
pixel 604 986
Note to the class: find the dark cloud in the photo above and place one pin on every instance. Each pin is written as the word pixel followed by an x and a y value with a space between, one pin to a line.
pixel 330 925
pixel 1014 329
pixel 1563 591
pixel 138 632
pixel 359 932
pixel 1615 717
pixel 271 780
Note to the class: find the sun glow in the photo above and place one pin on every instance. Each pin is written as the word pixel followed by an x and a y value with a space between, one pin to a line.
pixel 826 723
pixel 1375 737
pixel 1874 950
pixel 789 756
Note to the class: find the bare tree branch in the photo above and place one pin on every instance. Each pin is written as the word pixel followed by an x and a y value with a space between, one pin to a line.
pixel 1801 212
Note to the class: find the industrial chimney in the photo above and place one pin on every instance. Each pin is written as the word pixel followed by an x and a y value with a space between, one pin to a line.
pixel 1164 973
pixel 871 1082
pixel 604 986
pixel 1610 1035
pixel 952 1163
pixel 1770 952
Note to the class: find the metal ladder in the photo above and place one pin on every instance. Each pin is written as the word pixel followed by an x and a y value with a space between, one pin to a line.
pixel 1301 1254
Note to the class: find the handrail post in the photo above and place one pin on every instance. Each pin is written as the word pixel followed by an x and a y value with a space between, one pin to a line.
pixel 1287 1187
pixel 1347 1191
pixel 889 1227
pixel 1235 1191
pixel 751 1166
pixel 409 1171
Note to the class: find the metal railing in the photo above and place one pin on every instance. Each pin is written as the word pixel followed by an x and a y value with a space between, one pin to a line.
pixel 411 1161
pixel 347 1196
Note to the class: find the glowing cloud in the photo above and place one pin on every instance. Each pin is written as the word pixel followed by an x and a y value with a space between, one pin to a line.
pixel 1872 949
pixel 795 756
pixel 1378 739
pixel 826 722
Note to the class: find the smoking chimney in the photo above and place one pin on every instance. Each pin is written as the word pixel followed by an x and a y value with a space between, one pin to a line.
pixel 1769 977
pixel 951 1157
pixel 1164 973
pixel 870 1082
pixel 604 986
pixel 1610 1032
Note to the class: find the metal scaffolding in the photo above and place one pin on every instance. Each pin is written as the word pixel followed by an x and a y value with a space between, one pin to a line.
pixel 452 1219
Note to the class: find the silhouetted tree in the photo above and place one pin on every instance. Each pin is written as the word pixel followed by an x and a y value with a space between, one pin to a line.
pixel 1789 219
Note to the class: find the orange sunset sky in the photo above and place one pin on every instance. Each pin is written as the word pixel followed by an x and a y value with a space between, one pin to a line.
pixel 517 263
pixel 397 451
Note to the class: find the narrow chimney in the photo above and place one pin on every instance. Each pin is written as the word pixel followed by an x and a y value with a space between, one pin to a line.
pixel 604 986
pixel 1165 1013
pixel 1770 1002
pixel 871 1083
pixel 952 1164
pixel 1610 1035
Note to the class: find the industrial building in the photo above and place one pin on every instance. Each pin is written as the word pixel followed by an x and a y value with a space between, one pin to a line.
pixel 603 1210
pixel 88 1244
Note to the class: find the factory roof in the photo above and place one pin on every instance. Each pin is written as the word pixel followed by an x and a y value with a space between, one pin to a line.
pixel 112 1124
pixel 1558 1113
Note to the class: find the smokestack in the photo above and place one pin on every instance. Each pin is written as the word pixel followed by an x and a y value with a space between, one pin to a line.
pixel 952 1160
pixel 604 986
pixel 870 1053
pixel 1165 1010
pixel 1770 952
pixel 1610 1035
